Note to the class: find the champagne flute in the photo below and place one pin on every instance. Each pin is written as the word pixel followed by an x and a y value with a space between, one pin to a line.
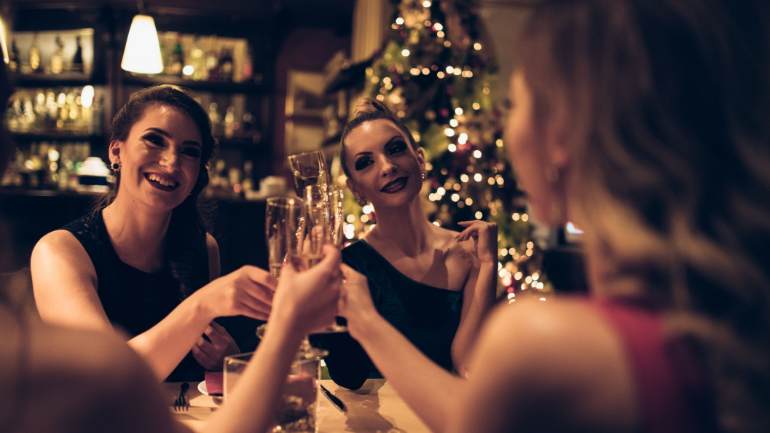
pixel 284 230
pixel 324 212
pixel 309 168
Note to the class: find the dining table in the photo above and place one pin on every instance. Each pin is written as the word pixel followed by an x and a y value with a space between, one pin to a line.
pixel 378 409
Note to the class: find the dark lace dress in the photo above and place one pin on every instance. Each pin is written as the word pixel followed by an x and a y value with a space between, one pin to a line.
pixel 427 316
pixel 135 300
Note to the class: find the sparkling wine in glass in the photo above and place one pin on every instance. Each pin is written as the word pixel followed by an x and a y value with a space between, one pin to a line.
pixel 284 230
pixel 324 215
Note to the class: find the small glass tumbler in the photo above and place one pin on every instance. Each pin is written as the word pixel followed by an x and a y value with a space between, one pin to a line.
pixel 299 397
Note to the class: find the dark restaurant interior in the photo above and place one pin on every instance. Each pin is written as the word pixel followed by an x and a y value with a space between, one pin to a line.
pixel 385 215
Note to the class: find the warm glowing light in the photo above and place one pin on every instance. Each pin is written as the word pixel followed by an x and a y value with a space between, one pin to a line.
pixel 188 70
pixel 469 201
pixel 462 138
pixel 368 208
pixel 516 216
pixel 87 96
pixel 459 111
pixel 426 4
pixel 453 123
pixel 464 178
pixel 440 74
pixel 450 69
pixel 425 70
pixel 455 197
pixel 142 52
pixel 349 230
pixel 438 27
pixel 499 142
pixel 476 106
pixel 405 52
pixel 478 177
pixel 478 215
pixel 477 46
pixel 440 34
pixel 4 42
pixel 400 21
pixel 449 132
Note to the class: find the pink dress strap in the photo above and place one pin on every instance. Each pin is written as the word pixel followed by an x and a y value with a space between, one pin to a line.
pixel 670 400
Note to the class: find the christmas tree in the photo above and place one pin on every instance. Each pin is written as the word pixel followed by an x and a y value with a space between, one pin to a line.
pixel 435 72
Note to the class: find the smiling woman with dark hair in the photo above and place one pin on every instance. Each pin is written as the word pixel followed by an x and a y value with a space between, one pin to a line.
pixel 142 263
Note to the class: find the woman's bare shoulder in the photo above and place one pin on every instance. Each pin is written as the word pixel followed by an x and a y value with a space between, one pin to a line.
pixel 60 243
pixel 60 250
pixel 98 380
pixel 563 353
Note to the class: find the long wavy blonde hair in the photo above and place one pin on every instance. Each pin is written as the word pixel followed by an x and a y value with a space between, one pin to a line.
pixel 669 137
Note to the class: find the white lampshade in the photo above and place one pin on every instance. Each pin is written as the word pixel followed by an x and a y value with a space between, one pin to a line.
pixel 142 53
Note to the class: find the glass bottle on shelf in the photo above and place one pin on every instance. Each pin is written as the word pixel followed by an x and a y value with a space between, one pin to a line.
pixel 14 58
pixel 230 122
pixel 197 60
pixel 35 64
pixel 57 58
pixel 226 64
pixel 212 61
pixel 77 58
pixel 214 118
pixel 177 57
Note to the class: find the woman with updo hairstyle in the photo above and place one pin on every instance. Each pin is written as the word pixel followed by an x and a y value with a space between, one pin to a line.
pixel 143 262
pixel 645 123
pixel 430 287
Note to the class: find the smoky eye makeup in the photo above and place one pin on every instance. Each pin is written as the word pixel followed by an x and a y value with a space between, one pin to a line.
pixel 361 162
pixel 153 138
pixel 193 151
pixel 395 145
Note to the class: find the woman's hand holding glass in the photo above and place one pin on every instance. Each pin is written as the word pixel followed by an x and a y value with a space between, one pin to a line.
pixel 247 291
pixel 306 301
pixel 356 303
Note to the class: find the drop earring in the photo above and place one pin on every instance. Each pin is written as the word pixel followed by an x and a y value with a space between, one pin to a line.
pixel 115 166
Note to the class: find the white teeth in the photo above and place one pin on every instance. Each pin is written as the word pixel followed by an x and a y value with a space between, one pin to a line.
pixel 157 179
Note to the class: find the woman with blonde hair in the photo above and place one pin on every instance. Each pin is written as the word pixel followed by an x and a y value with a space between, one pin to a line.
pixel 644 122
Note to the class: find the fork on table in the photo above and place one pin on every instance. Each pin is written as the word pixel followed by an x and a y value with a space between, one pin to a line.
pixel 181 404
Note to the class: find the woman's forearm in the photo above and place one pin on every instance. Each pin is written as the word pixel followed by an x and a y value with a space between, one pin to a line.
pixel 427 388
pixel 252 405
pixel 481 302
pixel 164 345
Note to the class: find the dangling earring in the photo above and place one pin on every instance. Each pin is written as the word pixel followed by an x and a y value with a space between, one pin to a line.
pixel 115 166
pixel 422 176
pixel 553 177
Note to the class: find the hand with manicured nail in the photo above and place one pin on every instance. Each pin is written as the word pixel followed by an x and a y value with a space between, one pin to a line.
pixel 484 237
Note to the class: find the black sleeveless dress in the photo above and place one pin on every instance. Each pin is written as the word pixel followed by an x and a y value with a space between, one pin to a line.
pixel 135 300
pixel 427 316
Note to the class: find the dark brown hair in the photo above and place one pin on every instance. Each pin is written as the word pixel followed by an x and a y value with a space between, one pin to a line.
pixel 370 109
pixel 667 103
pixel 186 237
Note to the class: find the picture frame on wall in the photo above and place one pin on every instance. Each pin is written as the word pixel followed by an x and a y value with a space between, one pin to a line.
pixel 305 107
